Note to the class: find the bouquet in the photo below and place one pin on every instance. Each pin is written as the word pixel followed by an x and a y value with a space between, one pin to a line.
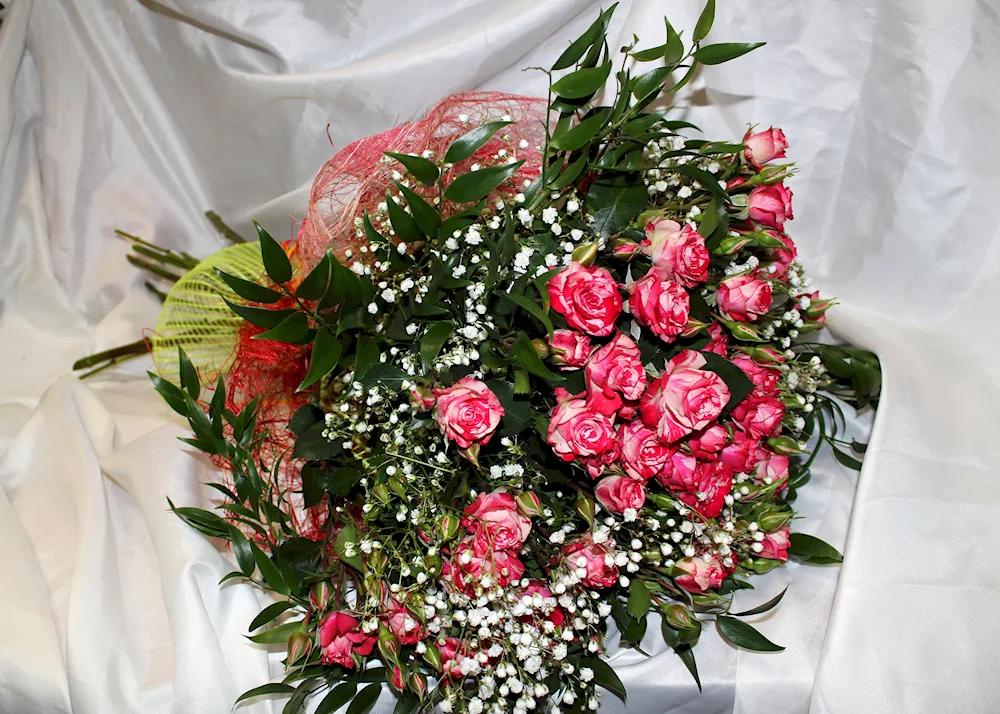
pixel 531 370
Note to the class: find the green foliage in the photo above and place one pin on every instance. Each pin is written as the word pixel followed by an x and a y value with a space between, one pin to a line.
pixel 743 635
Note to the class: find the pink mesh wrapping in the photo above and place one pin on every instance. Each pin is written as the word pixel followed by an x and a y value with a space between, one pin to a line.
pixel 356 178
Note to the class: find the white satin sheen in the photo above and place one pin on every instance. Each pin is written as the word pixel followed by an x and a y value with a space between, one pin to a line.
pixel 141 115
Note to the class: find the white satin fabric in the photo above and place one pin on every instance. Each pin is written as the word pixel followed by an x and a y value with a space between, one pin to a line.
pixel 142 114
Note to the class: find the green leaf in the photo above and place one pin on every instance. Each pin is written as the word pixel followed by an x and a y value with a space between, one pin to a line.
pixel 424 215
pixel 652 81
pixel 294 328
pixel 475 185
pixel 276 635
pixel 532 307
pixel 675 48
pixel 202 520
pixel 315 285
pixel 638 599
pixel 270 612
pixel 432 342
pixel 276 262
pixel 685 652
pixel 365 699
pixel 367 354
pixel 845 459
pixel 272 688
pixel 348 534
pixel 317 480
pixel 707 180
pixel 241 547
pixel 648 55
pixel 582 134
pixel 386 374
pixel 705 21
pixel 517 413
pixel 709 220
pixel 338 697
pixel 743 635
pixel 605 676
pixel 325 355
pixel 408 703
pixel 402 222
pixel 570 174
pixel 171 393
pixel 582 82
pixel 614 205
pixel 525 355
pixel 471 141
pixel 249 290
pixel 294 705
pixel 424 171
pixel 268 570
pixel 724 51
pixel 735 378
pixel 189 375
pixel 762 608
pixel 258 316
pixel 312 445
pixel 813 550
pixel 572 54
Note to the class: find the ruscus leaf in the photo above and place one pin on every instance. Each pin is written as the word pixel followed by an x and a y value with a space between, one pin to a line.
pixel 475 185
pixel 743 635
pixel 725 51
pixel 471 141
pixel 249 290
pixel 276 262
pixel 420 168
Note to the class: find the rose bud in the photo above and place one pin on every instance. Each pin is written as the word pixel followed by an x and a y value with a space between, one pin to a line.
pixel 785 445
pixel 773 521
pixel 417 684
pixel 388 644
pixel 397 680
pixel 541 347
pixel 569 349
pixel 585 254
pixel 319 595
pixel 743 331
pixel 471 453
pixel 763 565
pixel 432 656
pixel 398 486
pixel 381 493
pixel 765 354
pixel 421 398
pixel 624 249
pixel 528 504
pixel 732 244
pixel 448 526
pixel 771 205
pixel 299 645
pixel 585 507
pixel 680 618
pixel 764 146
pixel 432 564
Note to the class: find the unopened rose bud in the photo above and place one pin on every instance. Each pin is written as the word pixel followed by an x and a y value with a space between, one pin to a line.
pixel 398 486
pixel 388 644
pixel 432 656
pixel 541 347
pixel 448 526
pixel 731 244
pixel 432 564
pixel 319 595
pixel 585 507
pixel 680 618
pixel 763 565
pixel 471 454
pixel 743 331
pixel 381 492
pixel 585 254
pixel 765 354
pixel 661 501
pixel 773 521
pixel 768 239
pixel 417 684
pixel 528 504
pixel 421 398
pixel 693 327
pixel 624 249
pixel 299 645
pixel 397 679
pixel 785 445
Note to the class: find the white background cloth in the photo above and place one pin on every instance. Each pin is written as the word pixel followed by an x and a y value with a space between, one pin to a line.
pixel 140 115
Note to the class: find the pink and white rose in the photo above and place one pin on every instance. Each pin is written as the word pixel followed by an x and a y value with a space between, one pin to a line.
pixel 614 374
pixel 743 297
pixel 770 467
pixel 576 430
pixel 618 493
pixel 587 297
pixel 740 454
pixel 759 415
pixel 569 349
pixel 474 565
pixel 494 519
pixel 340 638
pixel 765 379
pixel 402 623
pixel 660 304
pixel 468 412
pixel 776 545
pixel 708 443
pixel 643 455
pixel 771 205
pixel 700 576
pixel 684 398
pixel 718 340
pixel 585 553
pixel 678 252
pixel 765 146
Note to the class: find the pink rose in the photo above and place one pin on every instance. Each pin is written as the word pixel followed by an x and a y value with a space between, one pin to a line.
pixel 703 486
pixel 776 545
pixel 708 443
pixel 816 312
pixel 740 455
pixel 453 653
pixel 404 625
pixel 718 340
pixel 587 297
pixel 759 415
pixel 576 430
pixel 659 304
pixel 468 412
pixel 701 576
pixel 617 493
pixel 585 553
pixel 782 257
pixel 613 372
pixel 764 378
pixel 493 518
pixel 684 398
pixel 678 252
pixel 771 467
pixel 743 297
pixel 765 146
pixel 474 565
pixel 569 349
pixel 625 250
pixel 340 638
pixel 595 465
pixel 771 205
pixel 643 455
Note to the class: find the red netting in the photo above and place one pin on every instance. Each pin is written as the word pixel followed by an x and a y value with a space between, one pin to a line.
pixel 356 178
